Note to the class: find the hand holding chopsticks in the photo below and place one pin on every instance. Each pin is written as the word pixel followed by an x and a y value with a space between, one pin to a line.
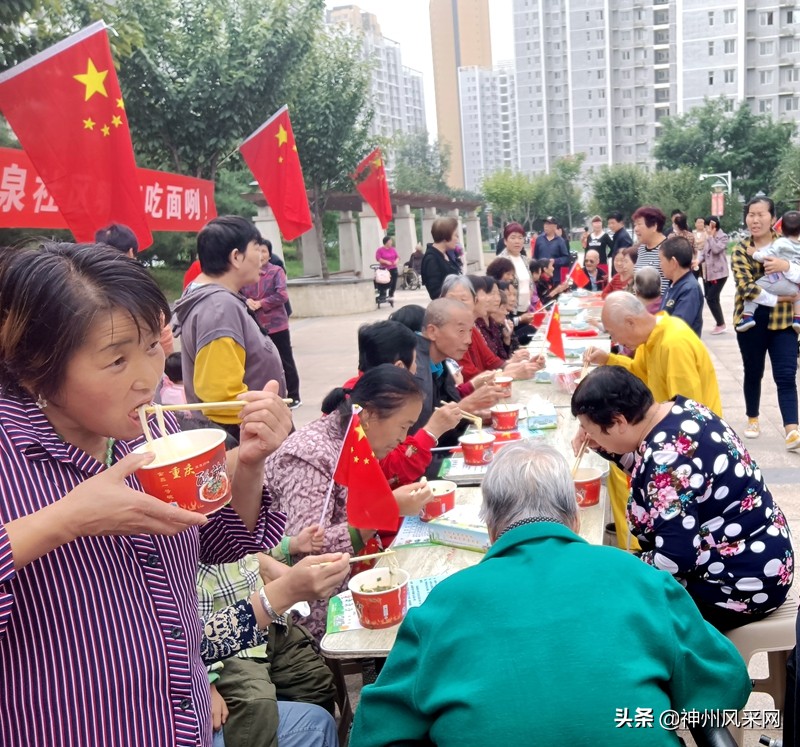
pixel 476 420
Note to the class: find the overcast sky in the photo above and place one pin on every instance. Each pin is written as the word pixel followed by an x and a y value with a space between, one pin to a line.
pixel 408 23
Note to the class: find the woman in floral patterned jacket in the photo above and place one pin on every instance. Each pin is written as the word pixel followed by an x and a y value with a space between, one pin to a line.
pixel 698 504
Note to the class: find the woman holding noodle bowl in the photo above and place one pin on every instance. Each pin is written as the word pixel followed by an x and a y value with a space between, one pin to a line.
pixel 300 472
pixel 82 547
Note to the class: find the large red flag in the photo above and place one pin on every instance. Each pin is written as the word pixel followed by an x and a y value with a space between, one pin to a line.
pixel 370 502
pixel 370 179
pixel 554 338
pixel 271 154
pixel 65 106
pixel 579 276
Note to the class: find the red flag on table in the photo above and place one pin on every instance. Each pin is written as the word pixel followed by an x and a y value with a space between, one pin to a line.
pixel 271 154
pixel 553 337
pixel 370 179
pixel 579 276
pixel 370 502
pixel 65 106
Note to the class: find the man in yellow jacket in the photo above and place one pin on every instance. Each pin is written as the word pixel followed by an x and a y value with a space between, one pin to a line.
pixel 670 358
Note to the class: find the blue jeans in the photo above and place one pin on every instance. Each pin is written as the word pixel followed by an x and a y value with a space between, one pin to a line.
pixel 299 725
pixel 781 345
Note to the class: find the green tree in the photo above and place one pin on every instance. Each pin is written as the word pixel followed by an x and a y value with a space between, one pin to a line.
pixel 710 138
pixel 331 114
pixel 564 190
pixel 682 190
pixel 786 192
pixel 419 165
pixel 619 187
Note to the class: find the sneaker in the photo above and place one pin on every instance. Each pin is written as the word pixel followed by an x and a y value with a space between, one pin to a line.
pixel 793 440
pixel 752 429
pixel 294 404
pixel 746 323
pixel 719 329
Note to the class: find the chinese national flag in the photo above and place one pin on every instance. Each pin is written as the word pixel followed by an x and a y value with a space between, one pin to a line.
pixel 370 502
pixel 554 338
pixel 370 179
pixel 271 154
pixel 66 108
pixel 579 277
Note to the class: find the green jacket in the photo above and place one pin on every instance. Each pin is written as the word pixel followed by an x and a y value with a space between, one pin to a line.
pixel 546 641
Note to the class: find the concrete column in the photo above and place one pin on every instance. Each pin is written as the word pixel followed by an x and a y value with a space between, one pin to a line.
pixel 428 216
pixel 405 233
pixel 312 266
pixel 474 247
pixel 268 227
pixel 371 238
pixel 349 250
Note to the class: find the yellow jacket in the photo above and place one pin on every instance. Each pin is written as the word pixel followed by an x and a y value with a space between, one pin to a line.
pixel 674 361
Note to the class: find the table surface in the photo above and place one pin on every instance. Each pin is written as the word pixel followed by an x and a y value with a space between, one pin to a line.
pixel 422 561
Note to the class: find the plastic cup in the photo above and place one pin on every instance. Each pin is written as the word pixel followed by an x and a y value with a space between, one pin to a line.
pixel 505 417
pixel 587 486
pixel 380 609
pixel 478 448
pixel 188 471
pixel 444 500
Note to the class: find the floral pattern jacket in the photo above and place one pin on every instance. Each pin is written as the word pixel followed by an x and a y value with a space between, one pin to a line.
pixel 699 500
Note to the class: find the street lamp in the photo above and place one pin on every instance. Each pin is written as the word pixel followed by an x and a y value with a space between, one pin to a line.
pixel 723 186
pixel 725 178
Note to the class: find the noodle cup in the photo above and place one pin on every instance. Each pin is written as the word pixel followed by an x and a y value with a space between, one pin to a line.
pixel 505 417
pixel 567 381
pixel 444 499
pixel 189 470
pixel 380 609
pixel 587 486
pixel 478 448
pixel 505 383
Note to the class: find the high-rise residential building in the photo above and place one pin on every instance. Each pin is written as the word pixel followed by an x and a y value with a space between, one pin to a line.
pixel 460 37
pixel 596 76
pixel 488 121
pixel 396 90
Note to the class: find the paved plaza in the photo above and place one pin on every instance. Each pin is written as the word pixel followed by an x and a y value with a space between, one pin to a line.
pixel 326 353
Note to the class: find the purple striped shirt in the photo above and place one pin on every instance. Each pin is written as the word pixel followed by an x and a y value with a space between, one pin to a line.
pixel 100 638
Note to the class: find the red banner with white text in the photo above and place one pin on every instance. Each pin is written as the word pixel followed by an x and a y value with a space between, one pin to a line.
pixel 172 202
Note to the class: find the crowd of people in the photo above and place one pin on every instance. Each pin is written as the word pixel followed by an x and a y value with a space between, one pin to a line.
pixel 188 618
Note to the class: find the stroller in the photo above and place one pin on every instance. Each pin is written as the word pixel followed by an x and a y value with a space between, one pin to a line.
pixel 382 280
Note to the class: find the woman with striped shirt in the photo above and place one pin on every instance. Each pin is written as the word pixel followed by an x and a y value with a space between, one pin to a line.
pixel 100 641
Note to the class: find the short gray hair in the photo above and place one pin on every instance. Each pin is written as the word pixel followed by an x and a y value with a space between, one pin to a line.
pixel 440 311
pixel 624 303
pixel 456 281
pixel 527 480
pixel 647 283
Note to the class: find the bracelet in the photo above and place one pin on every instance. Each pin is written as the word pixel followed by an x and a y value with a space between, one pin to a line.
pixel 435 440
pixel 274 616
pixel 285 540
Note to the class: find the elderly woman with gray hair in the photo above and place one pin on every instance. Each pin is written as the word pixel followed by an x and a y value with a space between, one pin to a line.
pixel 548 637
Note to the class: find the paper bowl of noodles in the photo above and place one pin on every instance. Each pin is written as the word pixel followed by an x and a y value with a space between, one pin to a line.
pixel 380 596
pixel 189 470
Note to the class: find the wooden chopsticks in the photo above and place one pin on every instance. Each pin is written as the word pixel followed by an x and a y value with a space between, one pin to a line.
pixel 581 452
pixel 231 405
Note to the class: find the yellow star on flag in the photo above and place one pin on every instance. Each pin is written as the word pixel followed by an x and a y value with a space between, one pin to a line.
pixel 93 79
pixel 106 130
pixel 280 159
pixel 355 459
pixel 377 163
pixel 120 104
pixel 282 135
pixel 116 120
pixel 88 124
pixel 360 431
pixel 366 461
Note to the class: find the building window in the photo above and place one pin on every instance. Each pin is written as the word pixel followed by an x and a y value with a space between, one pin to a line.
pixel 730 76
pixel 662 95
pixel 730 46
pixel 661 113
pixel 626 54
pixel 662 75
pixel 765 77
pixel 661 57
pixel 711 49
pixel 660 17
pixel 601 54
pixel 766 48
pixel 711 77
pixel 791 17
pixel 766 18
pixel 661 36
pixel 765 106
pixel 710 17
pixel 792 45
pixel 791 104
pixel 793 74
pixel 729 16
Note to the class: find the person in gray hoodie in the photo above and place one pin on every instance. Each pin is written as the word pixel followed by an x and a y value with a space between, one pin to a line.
pixel 224 352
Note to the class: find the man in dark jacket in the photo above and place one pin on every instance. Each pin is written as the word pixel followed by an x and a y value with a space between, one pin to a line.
pixel 551 246
pixel 620 238
pixel 684 297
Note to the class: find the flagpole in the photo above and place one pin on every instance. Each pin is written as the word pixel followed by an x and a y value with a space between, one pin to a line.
pixel 266 124
pixel 338 457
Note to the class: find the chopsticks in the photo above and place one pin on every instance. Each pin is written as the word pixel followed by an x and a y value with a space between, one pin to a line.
pixel 359 558
pixel 476 419
pixel 232 405
pixel 581 452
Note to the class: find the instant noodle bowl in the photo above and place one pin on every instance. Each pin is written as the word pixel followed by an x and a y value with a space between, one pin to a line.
pixel 505 417
pixel 380 596
pixel 587 486
pixel 505 383
pixel 478 448
pixel 189 470
pixel 444 499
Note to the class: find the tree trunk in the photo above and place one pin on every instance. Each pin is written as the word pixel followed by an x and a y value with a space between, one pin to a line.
pixel 319 206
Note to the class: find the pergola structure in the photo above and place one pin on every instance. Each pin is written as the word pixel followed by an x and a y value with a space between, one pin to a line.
pixel 360 232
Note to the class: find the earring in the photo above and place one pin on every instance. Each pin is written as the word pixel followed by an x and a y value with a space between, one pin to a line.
pixel 41 402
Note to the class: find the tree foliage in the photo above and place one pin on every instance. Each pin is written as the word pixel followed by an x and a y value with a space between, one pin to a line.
pixel 711 139
pixel 419 165
pixel 620 187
